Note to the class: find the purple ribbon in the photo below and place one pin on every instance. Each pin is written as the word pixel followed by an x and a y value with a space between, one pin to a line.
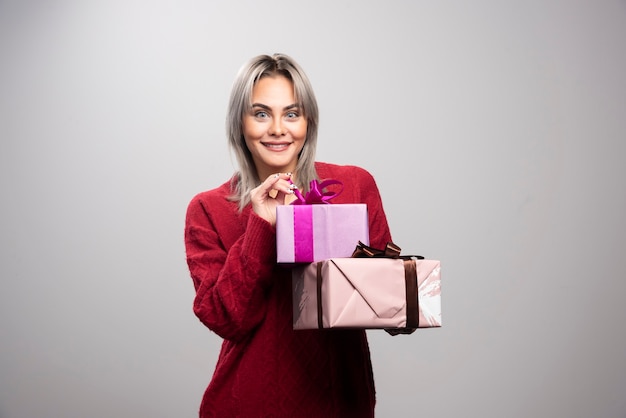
pixel 303 233
pixel 316 195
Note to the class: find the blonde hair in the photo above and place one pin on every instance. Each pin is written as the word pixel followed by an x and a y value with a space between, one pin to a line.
pixel 240 103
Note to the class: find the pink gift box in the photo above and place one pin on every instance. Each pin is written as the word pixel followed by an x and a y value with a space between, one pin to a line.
pixel 367 293
pixel 308 233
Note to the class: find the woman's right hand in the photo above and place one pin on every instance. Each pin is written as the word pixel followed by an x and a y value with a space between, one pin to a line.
pixel 271 193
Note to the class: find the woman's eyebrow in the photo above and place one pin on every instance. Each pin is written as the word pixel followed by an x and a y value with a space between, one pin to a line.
pixel 266 107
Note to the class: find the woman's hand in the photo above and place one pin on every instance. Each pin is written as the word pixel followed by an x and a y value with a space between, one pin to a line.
pixel 271 193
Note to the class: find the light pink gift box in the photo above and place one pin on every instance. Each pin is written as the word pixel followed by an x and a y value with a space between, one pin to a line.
pixel 308 233
pixel 367 293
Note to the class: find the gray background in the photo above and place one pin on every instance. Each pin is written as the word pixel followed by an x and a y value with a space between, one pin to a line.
pixel 496 132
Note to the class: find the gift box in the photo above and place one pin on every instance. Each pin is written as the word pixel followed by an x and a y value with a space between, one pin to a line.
pixel 367 293
pixel 308 233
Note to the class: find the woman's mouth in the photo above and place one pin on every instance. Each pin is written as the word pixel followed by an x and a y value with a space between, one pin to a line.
pixel 276 146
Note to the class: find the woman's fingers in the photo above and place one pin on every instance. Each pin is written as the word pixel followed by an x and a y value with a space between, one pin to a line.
pixel 277 184
pixel 271 193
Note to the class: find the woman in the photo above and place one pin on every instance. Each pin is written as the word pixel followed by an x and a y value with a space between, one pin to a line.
pixel 265 368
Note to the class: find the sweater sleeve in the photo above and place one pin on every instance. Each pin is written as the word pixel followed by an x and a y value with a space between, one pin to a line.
pixel 379 228
pixel 230 285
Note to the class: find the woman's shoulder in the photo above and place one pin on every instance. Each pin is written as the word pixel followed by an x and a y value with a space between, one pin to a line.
pixel 214 197
pixel 328 170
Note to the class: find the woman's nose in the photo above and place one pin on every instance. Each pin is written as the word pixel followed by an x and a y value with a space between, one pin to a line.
pixel 277 127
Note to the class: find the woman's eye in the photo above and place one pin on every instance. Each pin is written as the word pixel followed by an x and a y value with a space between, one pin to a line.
pixel 292 115
pixel 261 114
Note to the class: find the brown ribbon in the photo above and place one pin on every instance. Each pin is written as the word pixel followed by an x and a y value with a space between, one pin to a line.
pixel 362 250
pixel 410 281
pixel 410 276
pixel 320 323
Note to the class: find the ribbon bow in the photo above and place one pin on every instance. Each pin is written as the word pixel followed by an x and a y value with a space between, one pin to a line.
pixel 391 251
pixel 316 194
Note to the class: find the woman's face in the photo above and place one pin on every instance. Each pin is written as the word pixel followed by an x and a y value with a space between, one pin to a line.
pixel 274 128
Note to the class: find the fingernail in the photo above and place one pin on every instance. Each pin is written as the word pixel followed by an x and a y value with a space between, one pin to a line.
pixel 276 175
pixel 289 174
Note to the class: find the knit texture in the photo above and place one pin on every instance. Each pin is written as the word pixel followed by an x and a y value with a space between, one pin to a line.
pixel 265 368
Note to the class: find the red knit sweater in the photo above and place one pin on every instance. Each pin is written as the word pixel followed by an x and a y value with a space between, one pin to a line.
pixel 265 368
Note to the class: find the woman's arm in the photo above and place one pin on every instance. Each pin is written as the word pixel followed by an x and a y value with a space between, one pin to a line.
pixel 230 285
pixel 379 228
